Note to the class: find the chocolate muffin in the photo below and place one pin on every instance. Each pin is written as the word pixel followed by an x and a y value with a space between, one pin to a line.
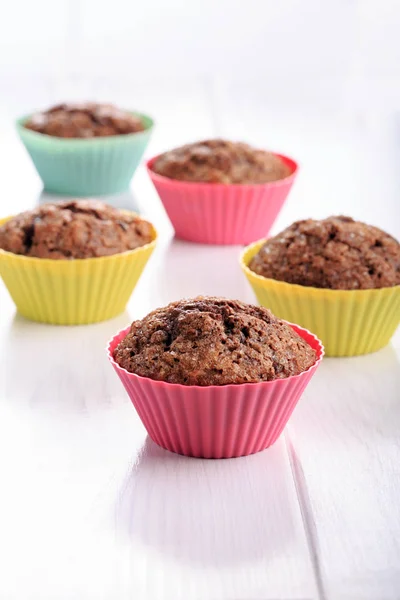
pixel 337 253
pixel 74 229
pixel 86 120
pixel 213 341
pixel 221 161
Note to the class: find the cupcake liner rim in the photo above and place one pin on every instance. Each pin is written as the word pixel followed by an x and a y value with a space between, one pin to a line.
pixel 81 143
pixel 294 165
pixel 250 251
pixel 304 333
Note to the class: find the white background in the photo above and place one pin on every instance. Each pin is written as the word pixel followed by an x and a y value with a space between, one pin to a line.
pixel 345 52
pixel 90 509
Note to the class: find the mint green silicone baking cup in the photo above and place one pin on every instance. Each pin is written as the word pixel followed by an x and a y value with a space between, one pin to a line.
pixel 86 167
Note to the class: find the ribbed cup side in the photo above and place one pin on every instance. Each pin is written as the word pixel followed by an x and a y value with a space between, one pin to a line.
pixel 73 292
pixel 221 214
pixel 348 322
pixel 215 421
pixel 85 167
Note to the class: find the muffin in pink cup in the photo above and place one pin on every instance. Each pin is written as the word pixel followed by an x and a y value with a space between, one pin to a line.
pixel 221 192
pixel 214 378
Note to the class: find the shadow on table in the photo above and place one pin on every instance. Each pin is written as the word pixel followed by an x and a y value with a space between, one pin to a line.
pixel 126 200
pixel 212 512
pixel 61 368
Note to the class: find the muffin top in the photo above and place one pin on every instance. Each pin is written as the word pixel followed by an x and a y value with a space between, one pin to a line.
pixel 337 253
pixel 74 229
pixel 213 341
pixel 86 120
pixel 220 161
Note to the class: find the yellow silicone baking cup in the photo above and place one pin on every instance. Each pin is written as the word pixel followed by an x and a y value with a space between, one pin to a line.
pixel 348 322
pixel 73 292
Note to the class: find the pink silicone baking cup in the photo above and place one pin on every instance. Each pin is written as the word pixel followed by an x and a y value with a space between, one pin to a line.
pixel 215 421
pixel 215 213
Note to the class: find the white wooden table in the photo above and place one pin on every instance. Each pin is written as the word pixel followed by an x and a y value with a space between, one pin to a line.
pixel 90 508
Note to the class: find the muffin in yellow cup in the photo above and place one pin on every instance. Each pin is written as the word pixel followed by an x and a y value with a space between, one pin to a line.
pixel 349 322
pixel 92 274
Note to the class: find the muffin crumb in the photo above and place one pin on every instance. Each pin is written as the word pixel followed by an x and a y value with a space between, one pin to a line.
pixel 74 229
pixel 336 253
pixel 221 161
pixel 85 120
pixel 213 341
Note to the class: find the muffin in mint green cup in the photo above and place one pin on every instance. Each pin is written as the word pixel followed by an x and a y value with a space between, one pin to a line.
pixel 86 149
